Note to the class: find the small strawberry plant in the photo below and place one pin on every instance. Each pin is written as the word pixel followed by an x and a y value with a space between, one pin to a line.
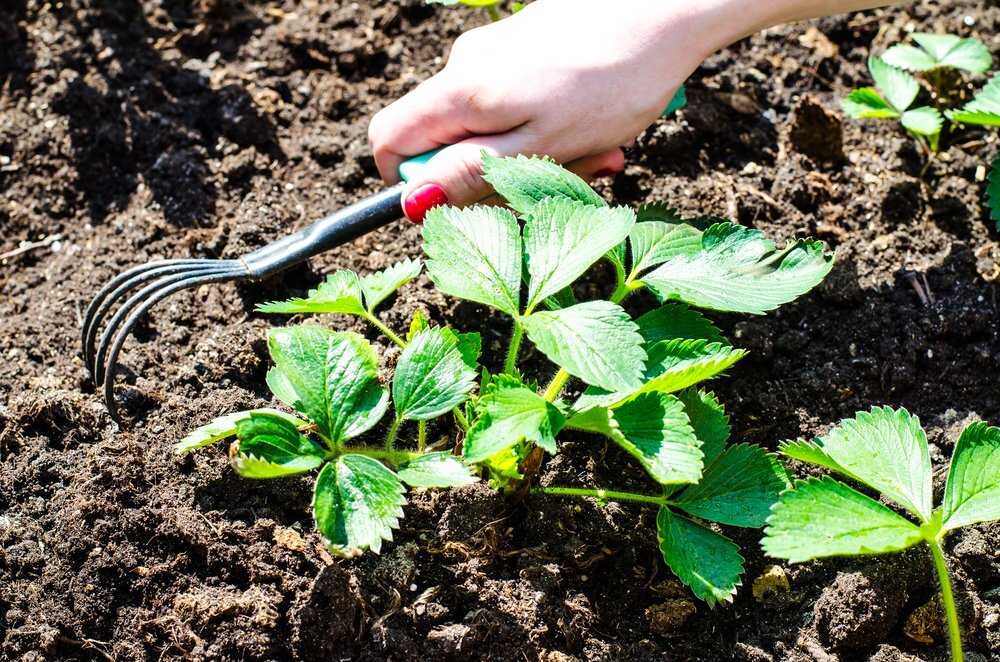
pixel 886 450
pixel 635 376
pixel 492 7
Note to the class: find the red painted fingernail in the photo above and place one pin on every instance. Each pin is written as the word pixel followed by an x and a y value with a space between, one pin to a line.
pixel 422 199
pixel 606 172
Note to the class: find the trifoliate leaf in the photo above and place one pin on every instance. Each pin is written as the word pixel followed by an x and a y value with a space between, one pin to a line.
pixel 510 412
pixel 417 324
pixel 884 449
pixel 740 270
pixel 925 121
pixel 334 376
pixel 272 447
pixel 655 242
pixel 381 284
pixel 706 561
pixel 595 341
pixel 225 426
pixel 993 191
pixel 972 493
pixel 654 429
pixel 475 254
pixel 676 321
pixel 867 102
pixel 823 517
pixel 432 376
pixel 940 50
pixel 562 238
pixel 708 420
pixel 524 182
pixel 984 109
pixel 357 503
pixel 738 488
pixel 900 88
pixel 339 293
pixel 436 470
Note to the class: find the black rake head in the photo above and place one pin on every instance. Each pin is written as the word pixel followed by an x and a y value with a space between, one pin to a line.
pixel 156 281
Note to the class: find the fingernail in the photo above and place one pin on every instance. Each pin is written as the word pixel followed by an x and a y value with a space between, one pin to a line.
pixel 422 199
pixel 606 172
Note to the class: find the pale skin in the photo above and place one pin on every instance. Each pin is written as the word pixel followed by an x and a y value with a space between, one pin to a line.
pixel 572 79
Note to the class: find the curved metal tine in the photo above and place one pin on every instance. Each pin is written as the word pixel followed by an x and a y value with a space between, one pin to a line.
pixel 110 293
pixel 137 299
pixel 108 378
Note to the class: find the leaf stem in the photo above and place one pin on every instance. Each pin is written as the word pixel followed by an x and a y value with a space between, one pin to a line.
pixel 493 13
pixel 460 417
pixel 384 329
pixel 392 457
pixel 390 438
pixel 556 385
pixel 948 597
pixel 599 494
pixel 515 343
pixel 626 288
pixel 421 435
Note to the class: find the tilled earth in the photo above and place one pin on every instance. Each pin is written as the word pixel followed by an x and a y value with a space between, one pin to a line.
pixel 139 130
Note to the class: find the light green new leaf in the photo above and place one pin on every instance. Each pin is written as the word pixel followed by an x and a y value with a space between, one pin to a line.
pixel 333 376
pixel 984 109
pixel 563 238
pixel 655 242
pixel 740 270
pixel 510 412
pixel 738 488
pixel 925 121
pixel 436 470
pixel 475 254
pixel 867 102
pixel 708 420
pixel 972 493
pixel 340 293
pixel 940 50
pixel 706 561
pixel 225 426
pixel 900 88
pixel 595 341
pixel 654 429
pixel 432 375
pixel 993 191
pixel 417 324
pixel 381 284
pixel 676 321
pixel 884 449
pixel 823 517
pixel 272 447
pixel 524 182
pixel 357 502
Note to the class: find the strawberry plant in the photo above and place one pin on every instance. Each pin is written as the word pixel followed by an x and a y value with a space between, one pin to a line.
pixel 634 376
pixel 886 450
pixel 491 6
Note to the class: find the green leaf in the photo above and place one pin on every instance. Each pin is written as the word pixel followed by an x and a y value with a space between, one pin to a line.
pixel 984 109
pixel 676 321
pixel 738 488
pixel 475 254
pixel 333 376
pixel 993 192
pixel 823 517
pixel 417 324
pixel 911 58
pixel 655 242
pixel 595 341
pixel 524 182
pixel 900 88
pixel 867 102
pixel 510 412
pixel 436 470
pixel 225 426
pixel 432 376
pixel 706 561
pixel 884 449
pixel 654 429
pixel 940 50
pixel 470 345
pixel 708 420
pixel 564 298
pixel 562 238
pixel 357 503
pixel 340 293
pixel 381 284
pixel 740 270
pixel 272 447
pixel 925 121
pixel 972 493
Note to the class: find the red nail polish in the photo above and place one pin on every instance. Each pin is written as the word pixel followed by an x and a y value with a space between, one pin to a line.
pixel 422 200
pixel 606 172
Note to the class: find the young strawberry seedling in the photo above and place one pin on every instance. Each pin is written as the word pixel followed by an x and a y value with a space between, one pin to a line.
pixel 635 374
pixel 491 6
pixel 886 450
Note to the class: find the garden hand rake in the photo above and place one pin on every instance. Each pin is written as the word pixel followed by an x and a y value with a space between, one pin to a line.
pixel 158 280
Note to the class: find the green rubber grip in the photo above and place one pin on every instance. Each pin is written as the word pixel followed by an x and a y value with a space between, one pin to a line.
pixel 409 169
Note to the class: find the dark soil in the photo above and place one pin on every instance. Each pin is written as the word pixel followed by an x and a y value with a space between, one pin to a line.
pixel 166 128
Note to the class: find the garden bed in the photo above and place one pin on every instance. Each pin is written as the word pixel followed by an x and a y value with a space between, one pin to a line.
pixel 138 131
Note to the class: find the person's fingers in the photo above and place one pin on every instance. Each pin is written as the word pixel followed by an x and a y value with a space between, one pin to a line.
pixel 600 165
